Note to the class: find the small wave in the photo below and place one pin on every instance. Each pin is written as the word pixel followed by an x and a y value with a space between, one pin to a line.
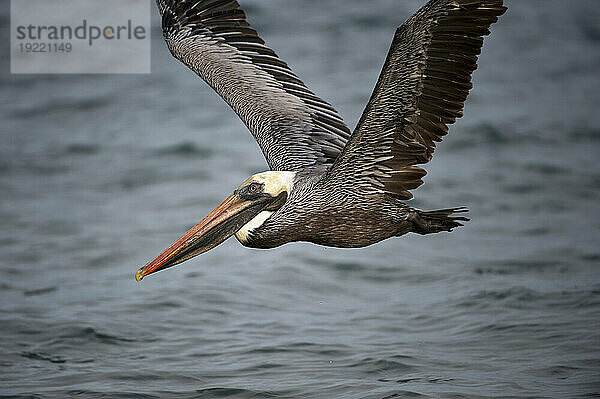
pixel 57 106
pixel 523 189
pixel 482 134
pixel 344 266
pixel 375 366
pixel 166 305
pixel 517 293
pixel 138 178
pixel 40 291
pixel 589 28
pixel 427 379
pixel 37 166
pixel 221 392
pixel 185 149
pixel 525 298
pixel 490 270
pixel 43 356
pixel 404 394
pixel 592 257
pixel 104 394
pixel 259 367
pixel 546 169
pixel 90 334
pixel 536 231
pixel 585 134
pixel 518 266
pixel 557 371
pixel 82 149
pixel 367 21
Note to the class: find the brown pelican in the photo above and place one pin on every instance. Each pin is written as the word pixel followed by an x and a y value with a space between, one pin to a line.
pixel 326 185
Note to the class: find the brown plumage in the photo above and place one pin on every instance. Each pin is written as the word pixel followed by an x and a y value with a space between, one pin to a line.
pixel 328 186
pixel 421 90
pixel 293 127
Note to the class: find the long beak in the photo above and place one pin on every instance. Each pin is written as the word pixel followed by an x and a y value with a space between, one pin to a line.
pixel 219 225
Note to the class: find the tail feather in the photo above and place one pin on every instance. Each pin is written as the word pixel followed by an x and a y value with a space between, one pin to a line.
pixel 427 222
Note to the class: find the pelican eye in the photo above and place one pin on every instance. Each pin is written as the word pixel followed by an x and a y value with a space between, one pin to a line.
pixel 254 188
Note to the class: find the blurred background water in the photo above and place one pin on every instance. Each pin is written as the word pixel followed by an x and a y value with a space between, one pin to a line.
pixel 99 173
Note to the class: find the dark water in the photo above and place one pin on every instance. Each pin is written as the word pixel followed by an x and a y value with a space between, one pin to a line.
pixel 100 173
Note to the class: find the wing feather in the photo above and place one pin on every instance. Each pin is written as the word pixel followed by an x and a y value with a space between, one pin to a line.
pixel 422 88
pixel 294 128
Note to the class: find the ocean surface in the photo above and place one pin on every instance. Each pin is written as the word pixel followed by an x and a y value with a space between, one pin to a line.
pixel 99 173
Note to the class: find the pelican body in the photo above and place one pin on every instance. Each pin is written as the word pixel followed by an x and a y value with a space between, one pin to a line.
pixel 327 185
pixel 315 214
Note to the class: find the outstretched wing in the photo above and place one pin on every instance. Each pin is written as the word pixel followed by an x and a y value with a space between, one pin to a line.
pixel 293 127
pixel 421 90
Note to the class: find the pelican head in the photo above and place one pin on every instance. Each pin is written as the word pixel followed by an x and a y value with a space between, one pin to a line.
pixel 248 207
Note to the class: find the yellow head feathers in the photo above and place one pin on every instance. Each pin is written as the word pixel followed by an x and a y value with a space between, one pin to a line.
pixel 274 181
